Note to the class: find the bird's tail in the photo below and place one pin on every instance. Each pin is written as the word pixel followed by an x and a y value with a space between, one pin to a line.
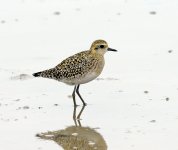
pixel 37 74
pixel 50 73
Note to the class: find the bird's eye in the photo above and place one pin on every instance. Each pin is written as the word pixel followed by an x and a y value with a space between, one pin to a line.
pixel 101 46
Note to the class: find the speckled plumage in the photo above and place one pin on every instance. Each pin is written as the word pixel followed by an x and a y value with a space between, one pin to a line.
pixel 79 68
pixel 73 69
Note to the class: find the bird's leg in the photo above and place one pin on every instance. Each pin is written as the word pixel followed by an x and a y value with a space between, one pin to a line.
pixel 81 111
pixel 77 91
pixel 73 96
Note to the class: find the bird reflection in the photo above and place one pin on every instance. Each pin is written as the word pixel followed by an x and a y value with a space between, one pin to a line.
pixel 76 117
pixel 76 137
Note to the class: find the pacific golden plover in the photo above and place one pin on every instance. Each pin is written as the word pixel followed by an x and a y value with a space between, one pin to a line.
pixel 79 68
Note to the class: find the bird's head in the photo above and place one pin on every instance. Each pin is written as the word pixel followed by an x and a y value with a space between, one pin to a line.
pixel 101 47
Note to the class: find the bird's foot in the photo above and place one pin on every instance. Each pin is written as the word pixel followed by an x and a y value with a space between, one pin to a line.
pixel 84 104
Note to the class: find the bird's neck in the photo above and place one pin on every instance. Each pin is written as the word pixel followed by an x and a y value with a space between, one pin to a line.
pixel 97 54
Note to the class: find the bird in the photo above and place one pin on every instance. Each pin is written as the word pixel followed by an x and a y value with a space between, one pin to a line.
pixel 79 68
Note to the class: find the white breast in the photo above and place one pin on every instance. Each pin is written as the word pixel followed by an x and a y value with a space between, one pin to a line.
pixel 89 77
pixel 81 80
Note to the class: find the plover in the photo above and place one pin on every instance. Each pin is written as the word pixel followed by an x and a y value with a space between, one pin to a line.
pixel 80 68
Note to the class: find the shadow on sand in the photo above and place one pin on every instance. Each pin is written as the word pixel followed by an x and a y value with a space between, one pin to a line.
pixel 76 137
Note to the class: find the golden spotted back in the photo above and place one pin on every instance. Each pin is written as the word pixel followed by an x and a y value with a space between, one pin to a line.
pixel 76 66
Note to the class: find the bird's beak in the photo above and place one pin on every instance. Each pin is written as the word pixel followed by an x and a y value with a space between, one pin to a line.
pixel 110 49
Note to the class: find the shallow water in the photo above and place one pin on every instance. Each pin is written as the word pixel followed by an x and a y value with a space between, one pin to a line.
pixel 118 115
pixel 131 106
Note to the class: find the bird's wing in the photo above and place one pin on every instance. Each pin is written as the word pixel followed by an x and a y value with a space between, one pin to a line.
pixel 76 65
